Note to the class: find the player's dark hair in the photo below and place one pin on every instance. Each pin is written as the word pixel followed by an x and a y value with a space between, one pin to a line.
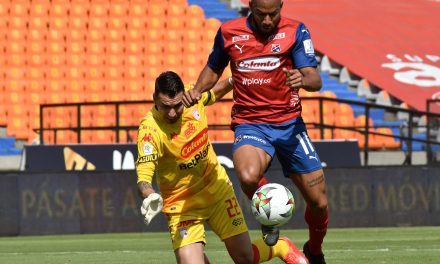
pixel 169 83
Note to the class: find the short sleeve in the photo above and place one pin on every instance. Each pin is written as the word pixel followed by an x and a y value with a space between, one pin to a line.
pixel 303 53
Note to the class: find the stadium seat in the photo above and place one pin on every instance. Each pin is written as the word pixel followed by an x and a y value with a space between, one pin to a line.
pixel 386 142
pixel 137 9
pixel 195 11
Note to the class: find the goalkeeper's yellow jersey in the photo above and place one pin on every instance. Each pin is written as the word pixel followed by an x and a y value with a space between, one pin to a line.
pixel 187 170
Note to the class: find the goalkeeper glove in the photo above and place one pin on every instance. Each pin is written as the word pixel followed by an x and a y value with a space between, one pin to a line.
pixel 151 206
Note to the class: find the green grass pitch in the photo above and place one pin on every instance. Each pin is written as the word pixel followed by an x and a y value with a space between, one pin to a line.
pixel 403 245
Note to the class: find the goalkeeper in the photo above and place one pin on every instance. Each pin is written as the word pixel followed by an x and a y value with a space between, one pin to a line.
pixel 194 188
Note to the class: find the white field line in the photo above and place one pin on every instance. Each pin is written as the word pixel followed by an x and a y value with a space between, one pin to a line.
pixel 137 252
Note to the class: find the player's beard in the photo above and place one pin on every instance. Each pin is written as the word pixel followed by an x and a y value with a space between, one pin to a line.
pixel 263 32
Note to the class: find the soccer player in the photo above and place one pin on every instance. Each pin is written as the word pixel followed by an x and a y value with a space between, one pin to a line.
pixel 194 188
pixel 271 58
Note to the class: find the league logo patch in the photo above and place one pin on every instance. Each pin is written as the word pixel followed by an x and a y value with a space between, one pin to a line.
pixel 276 48
pixel 237 139
pixel 308 47
pixel 148 148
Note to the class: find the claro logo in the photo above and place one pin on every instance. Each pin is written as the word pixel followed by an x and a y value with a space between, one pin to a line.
pixel 198 142
pixel 258 64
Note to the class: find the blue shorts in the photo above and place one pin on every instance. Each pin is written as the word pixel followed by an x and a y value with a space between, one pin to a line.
pixel 289 141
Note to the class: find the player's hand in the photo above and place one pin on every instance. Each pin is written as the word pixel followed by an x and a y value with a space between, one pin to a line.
pixel 151 206
pixel 294 78
pixel 191 97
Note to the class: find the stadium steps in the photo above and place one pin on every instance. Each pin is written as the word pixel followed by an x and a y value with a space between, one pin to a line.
pixel 216 9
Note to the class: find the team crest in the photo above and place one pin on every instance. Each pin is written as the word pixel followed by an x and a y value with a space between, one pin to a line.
pixel 196 114
pixel 276 48
pixel 237 139
pixel 183 232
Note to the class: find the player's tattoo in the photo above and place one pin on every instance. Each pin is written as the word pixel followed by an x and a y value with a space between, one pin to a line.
pixel 316 181
pixel 144 186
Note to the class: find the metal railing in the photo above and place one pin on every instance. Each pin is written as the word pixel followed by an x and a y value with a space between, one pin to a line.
pixel 406 137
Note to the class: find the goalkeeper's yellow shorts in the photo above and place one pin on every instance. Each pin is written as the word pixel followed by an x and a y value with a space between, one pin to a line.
pixel 225 218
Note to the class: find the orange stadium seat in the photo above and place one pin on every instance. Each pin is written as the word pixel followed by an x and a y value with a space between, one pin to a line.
pixel 386 142
pixel 135 34
pixel 99 8
pixel 154 35
pixel 78 22
pixel 212 24
pixel 195 11
pixel 118 9
pixel 79 8
pixel 157 9
pixel 173 47
pixel 58 22
pixel 181 3
pixel 175 10
pixel 59 9
pixel 138 9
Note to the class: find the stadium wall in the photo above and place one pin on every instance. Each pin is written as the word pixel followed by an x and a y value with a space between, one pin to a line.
pixel 35 203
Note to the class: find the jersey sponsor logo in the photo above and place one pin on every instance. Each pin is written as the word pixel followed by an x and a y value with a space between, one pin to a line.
pixel 196 160
pixel 258 64
pixel 186 223
pixel 240 38
pixel 308 47
pixel 197 143
pixel 149 128
pixel 280 35
pixel 147 158
pixel 276 48
pixel 258 81
pixel 254 138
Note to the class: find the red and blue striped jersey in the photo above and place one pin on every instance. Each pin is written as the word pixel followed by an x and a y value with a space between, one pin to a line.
pixel 260 92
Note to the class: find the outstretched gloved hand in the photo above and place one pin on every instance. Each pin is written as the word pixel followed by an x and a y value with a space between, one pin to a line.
pixel 151 206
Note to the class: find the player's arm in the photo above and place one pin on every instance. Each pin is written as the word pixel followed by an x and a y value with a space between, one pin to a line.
pixel 217 62
pixel 305 75
pixel 220 89
pixel 145 168
pixel 145 189
pixel 307 78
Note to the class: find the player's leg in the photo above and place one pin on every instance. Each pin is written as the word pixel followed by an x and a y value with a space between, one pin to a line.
pixel 252 154
pixel 250 163
pixel 240 248
pixel 187 234
pixel 303 166
pixel 192 253
pixel 284 249
pixel 312 186
pixel 227 221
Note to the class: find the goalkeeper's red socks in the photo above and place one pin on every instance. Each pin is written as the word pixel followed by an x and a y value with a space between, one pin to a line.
pixel 318 223
pixel 262 182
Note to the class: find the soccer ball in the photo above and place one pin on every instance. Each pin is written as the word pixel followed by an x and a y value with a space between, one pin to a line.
pixel 273 204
